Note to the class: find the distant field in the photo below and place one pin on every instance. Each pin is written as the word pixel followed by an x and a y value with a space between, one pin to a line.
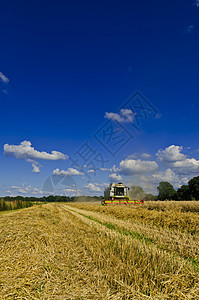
pixel 88 251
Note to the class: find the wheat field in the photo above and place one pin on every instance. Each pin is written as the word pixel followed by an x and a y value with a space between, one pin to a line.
pixel 87 251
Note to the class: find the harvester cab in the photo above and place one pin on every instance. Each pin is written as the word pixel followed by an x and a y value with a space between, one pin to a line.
pixel 118 193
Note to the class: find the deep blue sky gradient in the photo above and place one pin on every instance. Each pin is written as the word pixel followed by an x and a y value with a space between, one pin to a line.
pixel 69 62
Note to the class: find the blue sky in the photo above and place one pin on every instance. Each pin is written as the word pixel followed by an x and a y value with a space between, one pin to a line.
pixel 67 68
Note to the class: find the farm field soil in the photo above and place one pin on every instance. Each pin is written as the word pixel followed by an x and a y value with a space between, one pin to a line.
pixel 86 251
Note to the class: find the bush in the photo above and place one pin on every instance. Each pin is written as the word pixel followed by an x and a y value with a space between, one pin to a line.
pixel 12 205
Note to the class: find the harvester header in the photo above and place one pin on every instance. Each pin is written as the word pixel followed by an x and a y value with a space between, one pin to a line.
pixel 118 193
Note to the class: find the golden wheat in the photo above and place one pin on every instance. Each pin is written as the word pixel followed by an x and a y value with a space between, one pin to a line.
pixel 171 219
pixel 80 251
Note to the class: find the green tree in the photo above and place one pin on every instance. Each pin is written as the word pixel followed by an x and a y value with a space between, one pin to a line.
pixel 150 197
pixel 3 205
pixel 166 191
pixel 184 193
pixel 194 187
pixel 19 204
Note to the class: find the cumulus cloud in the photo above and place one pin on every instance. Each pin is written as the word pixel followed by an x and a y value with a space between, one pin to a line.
pixel 115 177
pixel 188 166
pixel 24 189
pixel 174 158
pixel 125 116
pixel 69 172
pixel 133 167
pixel 168 175
pixel 4 78
pixel 150 182
pixel 171 154
pixel 25 151
pixel 93 187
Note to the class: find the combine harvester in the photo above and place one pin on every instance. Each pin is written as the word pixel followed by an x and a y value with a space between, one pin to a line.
pixel 117 193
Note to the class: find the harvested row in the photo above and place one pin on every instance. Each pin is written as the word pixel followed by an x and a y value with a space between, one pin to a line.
pixel 137 269
pixel 56 251
pixel 180 206
pixel 175 242
pixel 43 257
pixel 182 221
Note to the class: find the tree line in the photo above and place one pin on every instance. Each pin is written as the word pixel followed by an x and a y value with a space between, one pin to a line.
pixel 14 204
pixel 52 198
pixel 166 191
pixel 189 191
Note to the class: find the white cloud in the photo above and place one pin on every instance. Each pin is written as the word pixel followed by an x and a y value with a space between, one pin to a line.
pixel 125 116
pixel 178 161
pixel 115 178
pixel 171 154
pixel 113 169
pixel 4 78
pixel 93 187
pixel 69 172
pixel 105 169
pixel 26 190
pixel 70 190
pixel 188 166
pixel 197 3
pixel 27 152
pixel 91 171
pixel 145 155
pixel 168 175
pixel 133 167
pixel 150 183
pixel 22 191
pixel 35 168
pixel 35 165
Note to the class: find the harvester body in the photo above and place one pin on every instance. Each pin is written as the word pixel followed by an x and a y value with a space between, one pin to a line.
pixel 118 193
